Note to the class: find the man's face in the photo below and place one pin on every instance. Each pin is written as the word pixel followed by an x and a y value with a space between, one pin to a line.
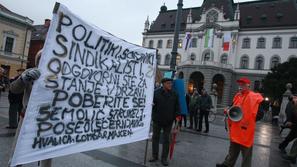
pixel 167 85
pixel 203 92
pixel 243 86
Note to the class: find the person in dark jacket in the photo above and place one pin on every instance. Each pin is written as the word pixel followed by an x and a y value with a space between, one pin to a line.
pixel 291 123
pixel 165 111
pixel 289 109
pixel 193 108
pixel 205 105
pixel 15 104
pixel 275 107
pixel 292 155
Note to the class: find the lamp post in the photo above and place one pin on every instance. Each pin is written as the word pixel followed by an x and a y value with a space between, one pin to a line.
pixel 176 34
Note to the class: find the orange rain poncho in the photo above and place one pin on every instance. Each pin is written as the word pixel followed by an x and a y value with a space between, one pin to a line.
pixel 242 132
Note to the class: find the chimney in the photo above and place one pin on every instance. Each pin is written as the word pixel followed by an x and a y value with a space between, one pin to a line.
pixel 47 23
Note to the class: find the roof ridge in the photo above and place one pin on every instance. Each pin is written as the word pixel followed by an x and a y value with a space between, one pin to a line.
pixel 258 1
pixel 3 7
pixel 171 10
pixel 12 13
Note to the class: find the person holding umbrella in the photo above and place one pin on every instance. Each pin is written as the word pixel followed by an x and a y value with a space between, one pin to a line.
pixel 165 110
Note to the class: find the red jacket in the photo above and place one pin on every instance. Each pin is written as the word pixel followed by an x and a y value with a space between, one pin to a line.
pixel 242 132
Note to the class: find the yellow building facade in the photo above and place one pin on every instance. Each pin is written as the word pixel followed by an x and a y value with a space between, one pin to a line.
pixel 15 36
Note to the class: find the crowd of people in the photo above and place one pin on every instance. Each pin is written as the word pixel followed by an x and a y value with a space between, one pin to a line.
pixel 241 132
pixel 166 112
pixel 199 107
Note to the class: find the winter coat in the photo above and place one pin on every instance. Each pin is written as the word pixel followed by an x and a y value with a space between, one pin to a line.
pixel 290 112
pixel 194 102
pixel 166 107
pixel 205 102
pixel 14 98
pixel 18 87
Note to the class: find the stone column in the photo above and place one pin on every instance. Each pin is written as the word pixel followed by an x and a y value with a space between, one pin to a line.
pixel 282 114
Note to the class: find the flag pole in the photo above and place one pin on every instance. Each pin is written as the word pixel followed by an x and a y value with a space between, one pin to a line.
pixel 157 79
pixel 145 152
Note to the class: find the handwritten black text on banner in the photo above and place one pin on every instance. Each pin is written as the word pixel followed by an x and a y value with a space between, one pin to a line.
pixel 95 91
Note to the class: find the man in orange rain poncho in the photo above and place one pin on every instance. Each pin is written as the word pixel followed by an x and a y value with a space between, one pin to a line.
pixel 242 132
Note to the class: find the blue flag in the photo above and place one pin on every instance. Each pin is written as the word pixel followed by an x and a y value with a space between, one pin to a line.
pixel 178 86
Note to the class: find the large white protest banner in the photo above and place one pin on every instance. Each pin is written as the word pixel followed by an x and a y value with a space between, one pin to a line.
pixel 95 91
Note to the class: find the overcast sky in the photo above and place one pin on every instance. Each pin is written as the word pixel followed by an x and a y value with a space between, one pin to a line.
pixel 123 18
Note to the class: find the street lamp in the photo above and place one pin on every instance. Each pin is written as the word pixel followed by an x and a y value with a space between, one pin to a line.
pixel 176 34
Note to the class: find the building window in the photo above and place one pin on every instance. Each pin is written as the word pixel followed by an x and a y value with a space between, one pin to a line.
pixel 249 19
pixel 207 56
pixel 264 17
pixel 277 42
pixel 224 59
pixel 160 43
pixel 158 59
pixel 246 43
pixel 169 43
pixel 259 63
pixel 151 44
pixel 167 60
pixel 183 25
pixel 244 62
pixel 180 43
pixel 293 42
pixel 279 16
pixel 194 43
pixel 261 42
pixel 193 56
pixel 275 60
pixel 9 44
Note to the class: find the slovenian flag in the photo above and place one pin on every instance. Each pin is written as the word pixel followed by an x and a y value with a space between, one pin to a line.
pixel 187 41
pixel 208 43
pixel 227 39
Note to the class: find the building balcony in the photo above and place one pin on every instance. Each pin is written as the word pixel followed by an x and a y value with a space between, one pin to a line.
pixel 206 63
